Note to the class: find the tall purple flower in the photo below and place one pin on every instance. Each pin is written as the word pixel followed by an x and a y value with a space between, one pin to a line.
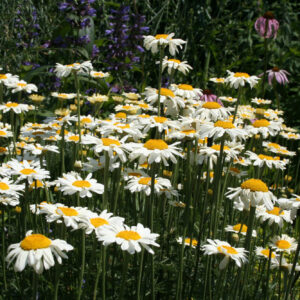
pixel 267 26
pixel 279 75
pixel 208 96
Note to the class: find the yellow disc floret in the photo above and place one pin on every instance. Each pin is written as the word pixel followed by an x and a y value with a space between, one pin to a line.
pixel 241 74
pixel 255 185
pixel 129 235
pixel 154 144
pixel 211 105
pixel 35 241
pixel 82 184
pixel 224 124
pixel 261 123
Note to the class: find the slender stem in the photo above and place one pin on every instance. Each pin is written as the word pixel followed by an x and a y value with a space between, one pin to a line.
pixel 237 103
pixel 140 275
pixel 104 273
pixel 3 248
pixel 124 274
pixel 79 290
pixel 98 274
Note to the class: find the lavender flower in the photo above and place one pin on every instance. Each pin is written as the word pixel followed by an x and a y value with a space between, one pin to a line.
pixel 267 26
pixel 208 96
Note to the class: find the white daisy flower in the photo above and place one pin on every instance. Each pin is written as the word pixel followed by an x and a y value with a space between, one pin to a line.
pixel 95 221
pixel 64 96
pixel 99 74
pixel 270 161
pixel 5 133
pixel 284 243
pixel 239 79
pixel 224 248
pixel 93 165
pixel 21 85
pixel 212 111
pixel 219 80
pixel 38 149
pixel 175 64
pixel 154 42
pixel 252 192
pixel 161 123
pixel 264 127
pixel 260 101
pixel 80 68
pixel 239 228
pixel 9 200
pixel 220 128
pixel 186 91
pixel 183 133
pixel 36 251
pixel 7 187
pixel 97 98
pixel 290 136
pixel 276 215
pixel 17 108
pixel 8 78
pixel 228 99
pixel 72 183
pixel 143 184
pixel 277 149
pixel 236 172
pixel 155 150
pixel 129 173
pixel 276 264
pixel 129 238
pixel 260 251
pixel 188 242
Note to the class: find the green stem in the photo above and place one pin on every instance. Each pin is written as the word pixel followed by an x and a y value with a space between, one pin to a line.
pixel 124 274
pixel 79 290
pixel 97 275
pixel 3 248
pixel 104 273
pixel 140 275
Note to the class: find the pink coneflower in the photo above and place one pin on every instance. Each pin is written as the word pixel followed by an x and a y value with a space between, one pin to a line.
pixel 208 96
pixel 280 75
pixel 267 26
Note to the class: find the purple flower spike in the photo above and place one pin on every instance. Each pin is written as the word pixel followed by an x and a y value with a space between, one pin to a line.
pixel 280 76
pixel 208 96
pixel 267 26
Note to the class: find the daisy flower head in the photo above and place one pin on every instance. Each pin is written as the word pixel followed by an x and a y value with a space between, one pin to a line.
pixel 279 75
pixel 261 160
pixel 80 68
pixel 218 80
pixel 236 172
pixel 228 99
pixel 37 251
pixel 72 183
pixel 153 43
pixel 212 111
pixel 186 91
pixel 99 74
pixel 94 222
pixel 221 128
pixel 276 215
pixel 239 228
pixel 8 78
pixel 129 238
pixel 21 85
pixel 209 96
pixel 239 255
pixel 237 79
pixel 184 132
pixel 9 200
pixel 155 151
pixel 17 108
pixel 93 165
pixel 175 64
pixel 8 188
pixel 5 133
pixel 260 101
pixel 143 184
pixel 97 98
pixel 188 242
pixel 252 192
pixel 161 123
pixel 28 171
pixel 283 264
pixel 267 26
pixel 64 96
pixel 284 243
pixel 265 253
pixel 264 127
pixel 290 136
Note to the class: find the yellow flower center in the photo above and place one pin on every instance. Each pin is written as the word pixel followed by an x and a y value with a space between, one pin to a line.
pixel 224 124
pixel 261 123
pixel 11 104
pixel 110 142
pixel 161 36
pixel 188 131
pixel 274 145
pixel 218 147
pixel 67 211
pixel 129 235
pixel 187 241
pixel 143 105
pixel 134 174
pixel 121 115
pixel 127 107
pixel 235 170
pixel 100 74
pixel 282 244
pixel 4 186
pixel 166 92
pixel 97 222
pixel 86 120
pixel 211 105
pixel 172 60
pixel 2 133
pixel 229 250
pixel 238 227
pixel 124 126
pixel 2 149
pixel 146 181
pixel 21 84
pixel 36 183
pixel 267 157
pixel 81 184
pixel 156 144
pixel 277 211
pixel 255 185
pixel 27 171
pixel 144 116
pixel 74 138
pixel 240 74
pixel 3 76
pixel 266 252
pixel 186 87
pixel 34 242
pixel 220 80
pixel 160 119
